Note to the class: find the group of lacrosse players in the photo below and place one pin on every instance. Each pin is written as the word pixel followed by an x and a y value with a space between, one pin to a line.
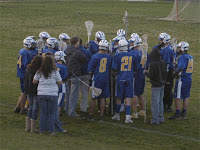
pixel 114 70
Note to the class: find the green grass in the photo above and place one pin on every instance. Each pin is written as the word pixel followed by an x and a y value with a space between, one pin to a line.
pixel 20 18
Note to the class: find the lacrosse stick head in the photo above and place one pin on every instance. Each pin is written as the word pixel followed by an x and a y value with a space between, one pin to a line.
pixel 89 25
pixel 125 18
pixel 40 44
pixel 62 45
pixel 96 91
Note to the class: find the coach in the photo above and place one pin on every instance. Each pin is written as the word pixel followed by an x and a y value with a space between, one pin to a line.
pixel 74 61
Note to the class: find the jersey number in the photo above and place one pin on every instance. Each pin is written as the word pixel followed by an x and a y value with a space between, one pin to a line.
pixel 126 61
pixel 190 66
pixel 19 61
pixel 143 60
pixel 103 63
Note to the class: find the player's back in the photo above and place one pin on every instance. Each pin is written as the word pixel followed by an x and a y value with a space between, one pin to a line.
pixel 125 64
pixel 94 47
pixel 62 70
pixel 33 53
pixel 185 63
pixel 100 66
pixel 49 50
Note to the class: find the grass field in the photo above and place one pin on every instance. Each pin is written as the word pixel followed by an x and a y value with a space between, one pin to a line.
pixel 20 18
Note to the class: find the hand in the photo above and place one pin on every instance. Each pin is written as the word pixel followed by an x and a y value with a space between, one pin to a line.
pixel 145 71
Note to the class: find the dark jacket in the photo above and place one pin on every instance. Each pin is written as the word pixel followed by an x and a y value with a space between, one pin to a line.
pixel 29 87
pixel 157 71
pixel 74 60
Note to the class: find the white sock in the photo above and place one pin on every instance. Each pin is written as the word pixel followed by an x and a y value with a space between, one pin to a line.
pixel 127 117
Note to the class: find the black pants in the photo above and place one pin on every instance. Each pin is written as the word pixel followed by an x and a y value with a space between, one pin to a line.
pixel 168 94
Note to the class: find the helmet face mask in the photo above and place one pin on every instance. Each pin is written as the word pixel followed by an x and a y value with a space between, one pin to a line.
pixel 103 45
pixel 44 36
pixel 164 38
pixel 52 43
pixel 64 37
pixel 183 46
pixel 135 42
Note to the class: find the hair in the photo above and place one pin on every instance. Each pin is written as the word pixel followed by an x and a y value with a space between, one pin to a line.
pixel 48 66
pixel 35 64
pixel 49 54
pixel 74 40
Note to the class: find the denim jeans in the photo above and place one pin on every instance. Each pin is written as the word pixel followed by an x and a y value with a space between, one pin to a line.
pixel 84 93
pixel 33 106
pixel 67 97
pixel 157 104
pixel 48 106
pixel 58 123
pixel 74 95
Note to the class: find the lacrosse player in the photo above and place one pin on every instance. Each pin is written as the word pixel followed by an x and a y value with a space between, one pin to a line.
pixel 125 64
pixel 52 44
pixel 63 41
pixel 183 73
pixel 167 55
pixel 99 65
pixel 33 50
pixel 24 59
pixel 139 82
pixel 94 45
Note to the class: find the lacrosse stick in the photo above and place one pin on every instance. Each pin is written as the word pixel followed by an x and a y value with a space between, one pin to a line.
pixel 89 25
pixel 174 47
pixel 40 44
pixel 62 45
pixel 95 91
pixel 144 48
pixel 125 19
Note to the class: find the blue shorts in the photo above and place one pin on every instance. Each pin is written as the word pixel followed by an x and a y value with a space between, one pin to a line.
pixel 124 89
pixel 104 86
pixel 22 84
pixel 182 89
pixel 61 98
pixel 139 86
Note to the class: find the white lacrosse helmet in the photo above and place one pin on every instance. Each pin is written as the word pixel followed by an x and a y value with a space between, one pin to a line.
pixel 44 35
pixel 165 37
pixel 64 36
pixel 60 55
pixel 33 37
pixel 118 38
pixel 183 45
pixel 100 35
pixel 52 42
pixel 28 42
pixel 121 32
pixel 137 42
pixel 134 35
pixel 123 45
pixel 103 44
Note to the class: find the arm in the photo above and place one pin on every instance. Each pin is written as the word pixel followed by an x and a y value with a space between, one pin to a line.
pixel 36 78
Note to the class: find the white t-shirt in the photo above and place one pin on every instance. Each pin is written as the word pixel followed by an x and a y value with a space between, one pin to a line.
pixel 48 86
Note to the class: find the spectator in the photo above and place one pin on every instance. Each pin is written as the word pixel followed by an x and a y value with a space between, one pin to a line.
pixel 48 79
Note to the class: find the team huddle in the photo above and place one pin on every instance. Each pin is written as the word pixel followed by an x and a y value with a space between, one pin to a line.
pixel 53 71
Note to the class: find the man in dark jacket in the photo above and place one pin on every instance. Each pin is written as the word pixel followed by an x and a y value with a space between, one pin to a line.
pixel 157 74
pixel 74 61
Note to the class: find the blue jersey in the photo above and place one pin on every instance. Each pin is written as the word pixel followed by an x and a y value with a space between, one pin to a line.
pixel 62 70
pixel 125 64
pixel 100 65
pixel 33 53
pixel 94 47
pixel 88 55
pixel 49 50
pixel 23 60
pixel 185 65
pixel 115 47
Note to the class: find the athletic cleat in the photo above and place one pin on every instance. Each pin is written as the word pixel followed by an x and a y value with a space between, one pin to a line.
pixel 175 116
pixel 116 117
pixel 17 110
pixel 128 121
pixel 183 115
pixel 142 113
pixel 101 118
pixel 134 116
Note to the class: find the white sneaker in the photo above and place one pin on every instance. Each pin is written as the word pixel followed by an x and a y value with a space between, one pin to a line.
pixel 142 113
pixel 128 121
pixel 116 117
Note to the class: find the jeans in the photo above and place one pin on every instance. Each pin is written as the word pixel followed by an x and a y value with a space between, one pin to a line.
pixel 33 106
pixel 67 97
pixel 74 95
pixel 58 123
pixel 157 104
pixel 48 106
pixel 84 93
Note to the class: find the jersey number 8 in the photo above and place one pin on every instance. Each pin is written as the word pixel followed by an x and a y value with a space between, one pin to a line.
pixel 103 63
